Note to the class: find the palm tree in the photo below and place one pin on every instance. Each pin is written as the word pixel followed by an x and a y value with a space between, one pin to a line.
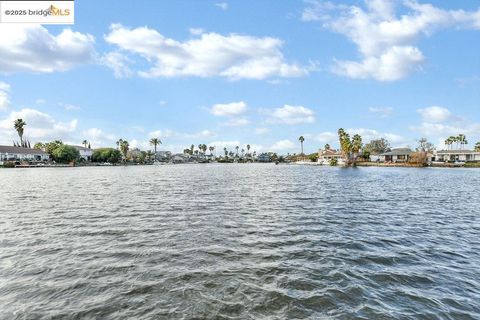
pixel 348 146
pixel 301 139
pixel 85 142
pixel 211 148
pixel 243 151
pixel 477 146
pixel 155 142
pixel 18 125
pixel 123 146
pixel 327 147
pixel 356 146
pixel 237 147
pixel 463 140
pixel 447 143
pixel 248 148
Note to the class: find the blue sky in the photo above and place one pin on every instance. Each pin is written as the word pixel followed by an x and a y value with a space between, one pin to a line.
pixel 236 73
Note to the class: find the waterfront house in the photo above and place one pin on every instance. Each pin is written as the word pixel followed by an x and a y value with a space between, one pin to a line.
pixel 15 154
pixel 396 155
pixel 325 156
pixel 85 153
pixel 457 155
pixel 180 158
pixel 163 156
pixel 264 157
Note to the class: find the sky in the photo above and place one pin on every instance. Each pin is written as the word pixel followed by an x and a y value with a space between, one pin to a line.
pixel 245 72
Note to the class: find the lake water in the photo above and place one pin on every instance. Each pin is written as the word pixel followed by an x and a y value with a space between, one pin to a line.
pixel 246 241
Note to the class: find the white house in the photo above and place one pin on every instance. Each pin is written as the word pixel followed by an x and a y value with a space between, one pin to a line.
pixel 325 156
pixel 457 155
pixel 8 153
pixel 85 153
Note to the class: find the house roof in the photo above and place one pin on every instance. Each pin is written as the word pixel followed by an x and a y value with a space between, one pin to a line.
pixel 398 152
pixel 456 152
pixel 19 150
pixel 329 152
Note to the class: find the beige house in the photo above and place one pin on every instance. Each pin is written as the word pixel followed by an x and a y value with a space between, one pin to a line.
pixel 325 156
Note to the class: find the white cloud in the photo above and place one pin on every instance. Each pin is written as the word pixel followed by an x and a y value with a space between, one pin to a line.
pixel 4 96
pixel 327 137
pixel 71 107
pixel 371 134
pixel 196 31
pixel 385 41
pixel 439 130
pixel 119 63
pixel 222 5
pixel 383 112
pixel 40 101
pixel 171 134
pixel 393 64
pixel 220 144
pixel 260 131
pixel 162 103
pixel 291 115
pixel 98 138
pixel 283 145
pixel 32 48
pixel 435 114
pixel 40 126
pixel 233 56
pixel 229 109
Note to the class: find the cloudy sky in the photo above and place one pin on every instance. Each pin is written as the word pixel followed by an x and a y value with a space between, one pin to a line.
pixel 236 73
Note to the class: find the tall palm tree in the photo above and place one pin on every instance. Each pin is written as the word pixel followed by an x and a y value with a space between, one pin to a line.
pixel 155 142
pixel 248 148
pixel 477 146
pixel 447 143
pixel 356 145
pixel 237 147
pixel 301 139
pixel 346 145
pixel 211 148
pixel 19 125
pixel 85 142
pixel 123 146
pixel 327 147
pixel 462 139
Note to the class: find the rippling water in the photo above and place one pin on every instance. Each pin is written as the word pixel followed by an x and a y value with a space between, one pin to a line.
pixel 245 241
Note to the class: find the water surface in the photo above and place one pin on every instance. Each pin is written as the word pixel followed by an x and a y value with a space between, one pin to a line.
pixel 246 241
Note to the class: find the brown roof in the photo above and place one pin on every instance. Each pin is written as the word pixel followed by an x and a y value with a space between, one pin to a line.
pixel 19 150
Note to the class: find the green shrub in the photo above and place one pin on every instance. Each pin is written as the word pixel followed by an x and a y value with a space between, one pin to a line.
pixel 65 154
pixel 9 164
pixel 333 162
pixel 106 155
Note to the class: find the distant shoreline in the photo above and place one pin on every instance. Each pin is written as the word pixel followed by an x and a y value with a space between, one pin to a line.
pixel 359 164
